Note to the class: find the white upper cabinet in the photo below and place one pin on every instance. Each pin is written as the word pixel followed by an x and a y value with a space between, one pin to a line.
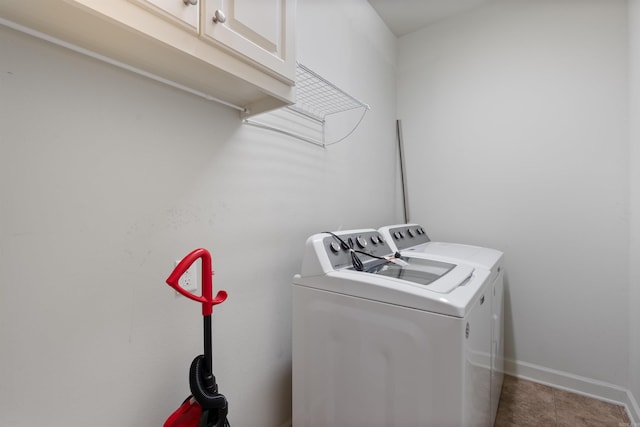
pixel 257 29
pixel 239 51
pixel 181 12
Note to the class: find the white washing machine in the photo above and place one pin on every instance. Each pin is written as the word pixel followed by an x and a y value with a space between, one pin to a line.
pixel 412 240
pixel 386 342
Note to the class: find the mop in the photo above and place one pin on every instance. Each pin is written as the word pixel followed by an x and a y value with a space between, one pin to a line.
pixel 205 407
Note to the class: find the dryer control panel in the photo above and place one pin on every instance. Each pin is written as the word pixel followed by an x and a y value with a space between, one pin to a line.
pixel 407 235
pixel 338 247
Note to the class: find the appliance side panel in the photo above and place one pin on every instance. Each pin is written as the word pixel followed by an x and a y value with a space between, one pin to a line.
pixel 477 363
pixel 497 342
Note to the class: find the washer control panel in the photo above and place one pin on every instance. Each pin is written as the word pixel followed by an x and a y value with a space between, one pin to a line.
pixel 338 247
pixel 406 236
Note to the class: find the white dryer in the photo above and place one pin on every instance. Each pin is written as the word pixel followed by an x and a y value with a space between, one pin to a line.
pixel 412 240
pixel 379 341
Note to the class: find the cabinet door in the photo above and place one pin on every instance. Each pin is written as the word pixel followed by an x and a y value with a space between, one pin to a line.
pixel 261 30
pixel 183 12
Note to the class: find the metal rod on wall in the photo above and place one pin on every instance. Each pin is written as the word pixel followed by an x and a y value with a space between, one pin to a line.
pixel 403 177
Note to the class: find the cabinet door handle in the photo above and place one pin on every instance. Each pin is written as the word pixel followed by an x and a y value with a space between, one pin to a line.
pixel 219 16
pixel 190 2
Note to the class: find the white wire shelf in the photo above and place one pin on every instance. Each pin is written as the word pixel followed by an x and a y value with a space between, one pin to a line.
pixel 316 99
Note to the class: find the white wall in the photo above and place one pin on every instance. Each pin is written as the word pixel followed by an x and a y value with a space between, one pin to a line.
pixel 106 178
pixel 634 256
pixel 515 122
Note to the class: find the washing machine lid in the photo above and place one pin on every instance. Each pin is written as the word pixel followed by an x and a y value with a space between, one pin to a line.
pixel 436 276
pixel 455 252
pixel 412 240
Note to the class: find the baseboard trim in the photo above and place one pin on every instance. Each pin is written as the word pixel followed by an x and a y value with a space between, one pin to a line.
pixel 577 384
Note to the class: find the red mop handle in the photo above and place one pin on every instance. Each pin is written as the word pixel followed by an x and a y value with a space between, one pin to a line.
pixel 206 298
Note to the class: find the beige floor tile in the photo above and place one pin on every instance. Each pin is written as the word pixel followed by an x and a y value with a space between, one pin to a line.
pixel 518 390
pixel 524 403
pixel 525 414
pixel 573 410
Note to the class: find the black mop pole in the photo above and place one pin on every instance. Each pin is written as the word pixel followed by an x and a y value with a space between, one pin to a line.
pixel 210 379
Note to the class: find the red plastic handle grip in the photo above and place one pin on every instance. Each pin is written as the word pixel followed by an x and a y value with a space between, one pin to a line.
pixel 206 298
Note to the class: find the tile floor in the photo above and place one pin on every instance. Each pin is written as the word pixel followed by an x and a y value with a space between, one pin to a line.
pixel 525 403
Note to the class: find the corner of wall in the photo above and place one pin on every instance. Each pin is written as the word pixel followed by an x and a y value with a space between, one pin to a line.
pixel 633 409
pixel 634 205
